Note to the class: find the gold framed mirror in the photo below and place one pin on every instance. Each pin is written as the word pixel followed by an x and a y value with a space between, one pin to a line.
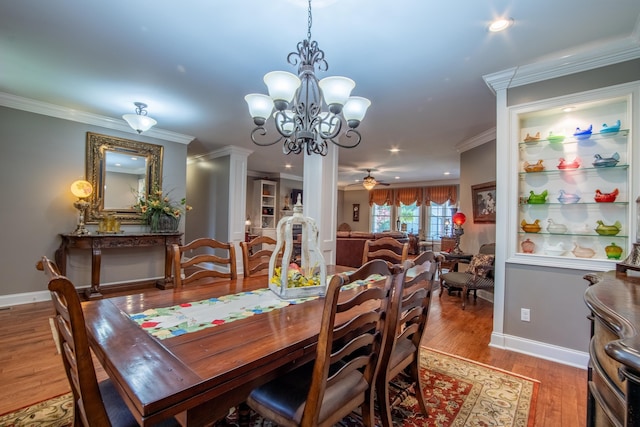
pixel 119 170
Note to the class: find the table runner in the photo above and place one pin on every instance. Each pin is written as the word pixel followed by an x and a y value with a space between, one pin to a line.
pixel 189 317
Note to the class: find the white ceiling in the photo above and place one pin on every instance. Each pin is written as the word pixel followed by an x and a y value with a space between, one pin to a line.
pixel 420 63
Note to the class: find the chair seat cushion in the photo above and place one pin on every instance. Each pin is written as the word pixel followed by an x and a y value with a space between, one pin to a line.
pixel 117 410
pixel 459 280
pixel 285 396
pixel 402 355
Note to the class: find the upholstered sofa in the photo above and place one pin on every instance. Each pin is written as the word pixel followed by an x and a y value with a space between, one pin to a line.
pixel 350 245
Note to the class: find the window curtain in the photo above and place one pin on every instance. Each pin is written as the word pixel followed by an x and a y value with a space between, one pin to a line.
pixel 408 196
pixel 440 194
pixel 380 197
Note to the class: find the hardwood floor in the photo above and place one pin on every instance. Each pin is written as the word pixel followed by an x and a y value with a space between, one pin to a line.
pixel 31 370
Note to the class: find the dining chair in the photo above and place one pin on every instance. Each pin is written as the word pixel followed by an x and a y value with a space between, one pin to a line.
pixel 255 257
pixel 385 248
pixel 96 404
pixel 478 275
pixel 342 376
pixel 204 261
pixel 406 326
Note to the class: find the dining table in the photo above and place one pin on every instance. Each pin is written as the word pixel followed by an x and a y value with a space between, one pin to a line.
pixel 197 376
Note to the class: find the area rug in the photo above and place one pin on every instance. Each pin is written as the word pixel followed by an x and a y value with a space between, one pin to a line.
pixel 459 392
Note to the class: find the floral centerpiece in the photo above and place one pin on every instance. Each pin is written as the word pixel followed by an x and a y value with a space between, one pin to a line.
pixel 297 277
pixel 160 211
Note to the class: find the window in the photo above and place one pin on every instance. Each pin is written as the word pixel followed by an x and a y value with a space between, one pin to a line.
pixel 410 215
pixel 380 218
pixel 440 220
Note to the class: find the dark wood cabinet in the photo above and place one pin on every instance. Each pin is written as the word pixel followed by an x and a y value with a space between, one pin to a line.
pixel 614 366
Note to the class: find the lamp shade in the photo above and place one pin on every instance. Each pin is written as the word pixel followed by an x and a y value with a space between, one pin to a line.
pixel 139 123
pixel 356 108
pixel 259 105
pixel 459 218
pixel 81 188
pixel 282 85
pixel 369 182
pixel 336 89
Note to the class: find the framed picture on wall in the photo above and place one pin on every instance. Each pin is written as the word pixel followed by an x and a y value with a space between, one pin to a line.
pixel 356 212
pixel 483 197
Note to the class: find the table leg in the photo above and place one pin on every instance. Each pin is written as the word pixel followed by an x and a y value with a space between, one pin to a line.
pixel 94 291
pixel 167 282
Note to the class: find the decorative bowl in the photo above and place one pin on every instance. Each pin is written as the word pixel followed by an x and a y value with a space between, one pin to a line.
pixel 537 199
pixel 613 251
pixel 611 130
pixel 581 134
pixel 534 227
pixel 606 162
pixel 555 250
pixel 564 164
pixel 566 198
pixel 555 138
pixel 601 197
pixel 582 252
pixel 554 228
pixel 608 230
pixel 534 167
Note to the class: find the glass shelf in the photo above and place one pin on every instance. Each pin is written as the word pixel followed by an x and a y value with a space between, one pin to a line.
pixel 570 139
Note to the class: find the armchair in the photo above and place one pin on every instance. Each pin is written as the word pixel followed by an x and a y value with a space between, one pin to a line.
pixel 479 274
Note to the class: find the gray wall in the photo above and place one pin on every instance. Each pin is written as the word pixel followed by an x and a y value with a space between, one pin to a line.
pixel 477 166
pixel 208 194
pixel 555 295
pixel 40 157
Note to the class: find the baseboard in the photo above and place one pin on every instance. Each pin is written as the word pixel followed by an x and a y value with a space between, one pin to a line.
pixel 554 353
pixel 24 298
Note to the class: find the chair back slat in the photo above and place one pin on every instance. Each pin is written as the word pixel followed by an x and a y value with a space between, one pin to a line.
pixel 255 257
pixel 208 252
pixel 386 248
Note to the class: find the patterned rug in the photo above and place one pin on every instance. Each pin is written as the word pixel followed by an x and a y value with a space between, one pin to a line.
pixel 459 393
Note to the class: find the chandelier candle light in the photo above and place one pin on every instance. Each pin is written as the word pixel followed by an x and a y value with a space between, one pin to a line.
pixel 298 101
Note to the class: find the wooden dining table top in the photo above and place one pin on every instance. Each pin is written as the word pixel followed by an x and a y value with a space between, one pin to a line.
pixel 198 376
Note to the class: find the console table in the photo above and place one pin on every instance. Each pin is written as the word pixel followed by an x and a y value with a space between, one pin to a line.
pixel 614 363
pixel 96 242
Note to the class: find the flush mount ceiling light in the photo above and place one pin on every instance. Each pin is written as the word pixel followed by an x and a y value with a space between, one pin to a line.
pixel 299 100
pixel 140 122
pixel 500 24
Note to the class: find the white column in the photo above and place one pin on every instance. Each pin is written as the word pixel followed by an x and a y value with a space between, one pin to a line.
pixel 237 198
pixel 320 198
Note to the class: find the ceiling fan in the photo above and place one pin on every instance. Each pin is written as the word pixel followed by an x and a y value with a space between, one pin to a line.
pixel 369 182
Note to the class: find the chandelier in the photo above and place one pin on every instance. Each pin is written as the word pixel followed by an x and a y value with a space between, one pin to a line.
pixel 298 100
pixel 140 122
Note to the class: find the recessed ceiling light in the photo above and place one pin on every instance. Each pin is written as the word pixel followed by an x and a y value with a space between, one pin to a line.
pixel 447 173
pixel 500 24
pixel 288 166
pixel 568 109
pixel 397 177
pixel 394 150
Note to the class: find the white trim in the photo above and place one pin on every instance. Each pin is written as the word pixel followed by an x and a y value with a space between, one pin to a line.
pixel 24 298
pixel 52 110
pixel 541 350
pixel 227 150
pixel 563 65
pixel 478 140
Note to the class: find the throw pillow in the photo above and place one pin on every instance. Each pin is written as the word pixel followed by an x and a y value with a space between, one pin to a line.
pixel 481 264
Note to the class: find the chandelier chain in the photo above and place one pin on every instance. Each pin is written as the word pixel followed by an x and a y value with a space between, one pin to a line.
pixel 309 22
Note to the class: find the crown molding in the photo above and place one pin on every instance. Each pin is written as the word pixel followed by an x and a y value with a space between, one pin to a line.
pixel 611 53
pixel 227 150
pixel 476 141
pixel 52 110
